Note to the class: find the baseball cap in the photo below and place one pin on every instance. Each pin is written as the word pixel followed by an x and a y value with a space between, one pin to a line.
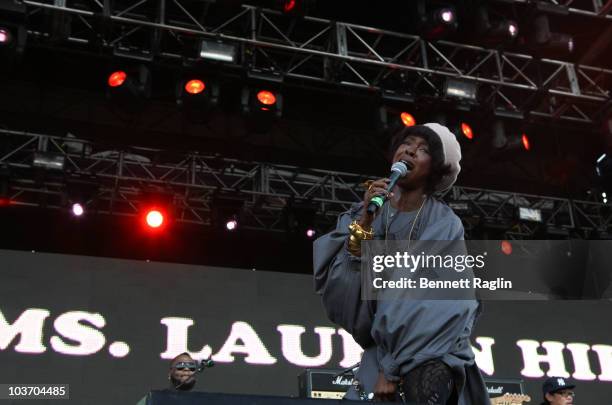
pixel 554 384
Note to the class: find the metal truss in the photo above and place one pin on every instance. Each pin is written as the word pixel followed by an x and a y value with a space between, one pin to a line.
pixel 591 8
pixel 330 52
pixel 121 178
pixel 561 217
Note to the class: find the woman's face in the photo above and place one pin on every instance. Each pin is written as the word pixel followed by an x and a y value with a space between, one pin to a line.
pixel 414 150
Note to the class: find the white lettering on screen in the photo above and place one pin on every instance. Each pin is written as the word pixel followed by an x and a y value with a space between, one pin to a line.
pixel 73 326
pixel 79 333
pixel 29 327
pixel 252 346
pixel 484 356
pixel 291 345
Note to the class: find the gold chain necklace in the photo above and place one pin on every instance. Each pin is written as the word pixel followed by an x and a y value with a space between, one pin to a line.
pixel 388 225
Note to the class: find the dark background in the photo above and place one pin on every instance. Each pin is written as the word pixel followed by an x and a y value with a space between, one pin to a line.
pixel 133 296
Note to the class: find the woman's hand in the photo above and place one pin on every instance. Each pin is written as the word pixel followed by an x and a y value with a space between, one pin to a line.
pixel 384 390
pixel 376 188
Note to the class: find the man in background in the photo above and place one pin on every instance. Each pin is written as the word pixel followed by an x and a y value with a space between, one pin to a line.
pixel 180 374
pixel 557 391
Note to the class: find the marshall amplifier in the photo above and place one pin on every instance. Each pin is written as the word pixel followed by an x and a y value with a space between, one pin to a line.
pixel 499 387
pixel 506 392
pixel 322 383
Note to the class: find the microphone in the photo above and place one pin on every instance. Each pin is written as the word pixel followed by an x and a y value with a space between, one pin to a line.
pixel 208 363
pixel 350 370
pixel 398 170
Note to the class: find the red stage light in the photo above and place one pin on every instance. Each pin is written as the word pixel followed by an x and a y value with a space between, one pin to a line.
pixel 195 86
pixel 467 131
pixel 266 98
pixel 407 119
pixel 525 141
pixel 154 218
pixel 117 78
pixel 289 5
pixel 506 247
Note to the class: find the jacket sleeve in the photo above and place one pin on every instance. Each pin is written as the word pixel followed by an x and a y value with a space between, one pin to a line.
pixel 400 328
pixel 337 279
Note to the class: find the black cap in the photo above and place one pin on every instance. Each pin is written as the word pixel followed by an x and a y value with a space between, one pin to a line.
pixel 554 384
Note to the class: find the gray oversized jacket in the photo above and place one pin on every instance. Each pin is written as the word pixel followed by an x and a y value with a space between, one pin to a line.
pixel 398 335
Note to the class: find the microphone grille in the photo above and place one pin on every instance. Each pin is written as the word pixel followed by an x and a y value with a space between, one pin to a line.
pixel 400 167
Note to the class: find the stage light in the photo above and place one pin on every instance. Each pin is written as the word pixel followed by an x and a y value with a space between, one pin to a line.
pixel 154 218
pixel 525 142
pixel 263 103
pixel 559 44
pixel 156 209
pixel 407 119
pixel 460 89
pixel 266 97
pixel 513 29
pixel 129 86
pixel 294 7
pixel 48 160
pixel 117 78
pixel 13 33
pixel 227 211
pixel 515 142
pixel 13 39
pixel 81 192
pixel 446 15
pixel 530 214
pixel 5 36
pixel 466 130
pixel 195 86
pixel 435 21
pixel 289 6
pixel 492 28
pixel 77 210
pixel 503 31
pixel 218 51
pixel 231 225
pixel 196 97
pixel 506 247
pixel 548 42
pixel 300 217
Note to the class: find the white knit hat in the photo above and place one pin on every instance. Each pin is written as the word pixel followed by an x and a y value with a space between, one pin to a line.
pixel 451 151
